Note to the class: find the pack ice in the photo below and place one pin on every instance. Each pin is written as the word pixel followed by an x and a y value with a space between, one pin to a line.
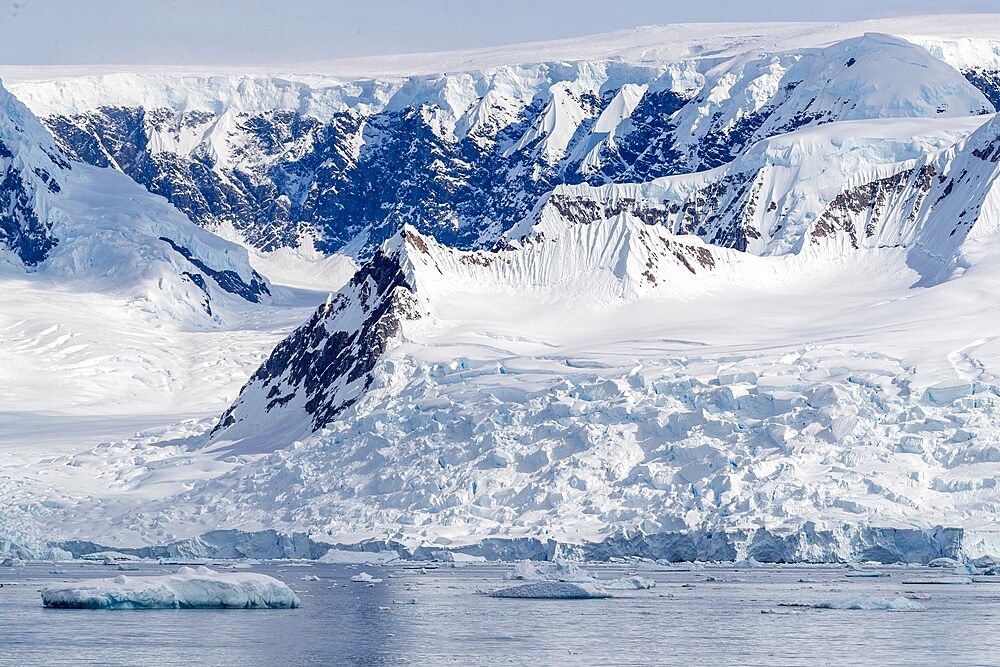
pixel 189 588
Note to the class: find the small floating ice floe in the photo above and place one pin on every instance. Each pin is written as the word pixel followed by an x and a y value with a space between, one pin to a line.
pixel 343 557
pixel 629 584
pixel 552 590
pixel 108 557
pixel 872 603
pixel 944 562
pixel 199 588
pixel 310 577
pixel 943 581
pixel 365 578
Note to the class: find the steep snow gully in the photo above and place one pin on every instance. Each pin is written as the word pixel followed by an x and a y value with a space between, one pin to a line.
pixel 690 294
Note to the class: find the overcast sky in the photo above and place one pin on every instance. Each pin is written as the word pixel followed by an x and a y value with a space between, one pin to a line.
pixel 223 32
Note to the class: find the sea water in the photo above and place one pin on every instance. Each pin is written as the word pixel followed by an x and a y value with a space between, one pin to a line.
pixel 438 614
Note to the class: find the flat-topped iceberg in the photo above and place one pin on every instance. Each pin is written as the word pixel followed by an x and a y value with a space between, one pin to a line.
pixel 553 590
pixel 189 588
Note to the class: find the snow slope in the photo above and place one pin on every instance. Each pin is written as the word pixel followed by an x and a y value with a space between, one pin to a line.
pixel 96 229
pixel 117 314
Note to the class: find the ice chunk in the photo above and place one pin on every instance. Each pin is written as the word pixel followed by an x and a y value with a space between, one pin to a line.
pixel 365 578
pixel 571 573
pixel 987 561
pixel 108 557
pixel 944 562
pixel 457 557
pixel 872 603
pixel 553 590
pixel 944 581
pixel 629 584
pixel 199 588
pixel 557 571
pixel 911 444
pixel 944 394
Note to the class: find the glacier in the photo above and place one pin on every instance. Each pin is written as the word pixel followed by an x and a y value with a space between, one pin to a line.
pixel 725 297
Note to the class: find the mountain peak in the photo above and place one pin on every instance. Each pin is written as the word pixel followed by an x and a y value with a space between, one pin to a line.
pixel 31 169
pixel 331 361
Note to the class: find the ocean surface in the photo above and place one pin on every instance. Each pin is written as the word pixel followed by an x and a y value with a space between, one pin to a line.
pixel 437 614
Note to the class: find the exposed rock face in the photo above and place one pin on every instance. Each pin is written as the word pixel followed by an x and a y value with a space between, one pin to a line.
pixel 861 211
pixel 228 280
pixel 327 364
pixel 31 168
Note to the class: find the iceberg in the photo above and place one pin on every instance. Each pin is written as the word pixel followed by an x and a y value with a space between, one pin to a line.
pixel 548 571
pixel 553 590
pixel 634 583
pixel 871 603
pixel 189 588
pixel 571 573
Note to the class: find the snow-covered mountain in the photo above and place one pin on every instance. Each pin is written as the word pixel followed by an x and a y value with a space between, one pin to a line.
pixel 843 376
pixel 726 295
pixel 464 155
pixel 90 227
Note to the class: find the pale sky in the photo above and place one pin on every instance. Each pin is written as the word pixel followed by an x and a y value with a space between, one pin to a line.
pixel 232 32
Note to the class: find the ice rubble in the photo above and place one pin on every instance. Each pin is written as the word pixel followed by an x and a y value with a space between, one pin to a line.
pixel 189 588
pixel 365 578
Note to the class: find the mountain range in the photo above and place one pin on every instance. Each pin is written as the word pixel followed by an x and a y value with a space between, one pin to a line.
pixel 723 296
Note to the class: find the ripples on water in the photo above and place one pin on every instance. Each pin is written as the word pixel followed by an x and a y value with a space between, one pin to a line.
pixel 438 618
